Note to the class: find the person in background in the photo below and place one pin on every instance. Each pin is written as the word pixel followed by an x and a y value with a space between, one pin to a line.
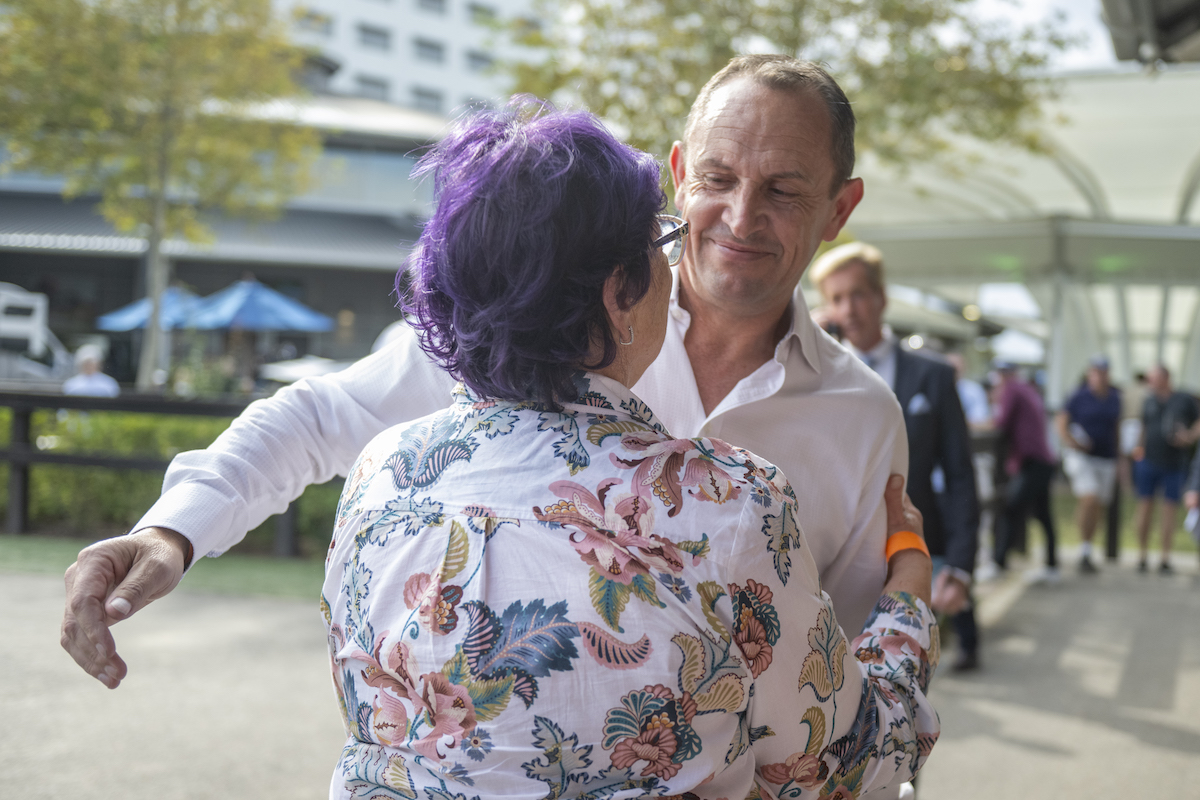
pixel 90 381
pixel 1191 498
pixel 1021 419
pixel 1088 427
pixel 851 281
pixel 1160 461
pixel 971 394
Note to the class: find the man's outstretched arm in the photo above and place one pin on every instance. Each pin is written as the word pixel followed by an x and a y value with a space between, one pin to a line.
pixel 110 581
pixel 306 433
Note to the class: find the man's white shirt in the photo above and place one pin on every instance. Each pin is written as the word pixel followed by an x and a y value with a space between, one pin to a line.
pixel 881 358
pixel 814 410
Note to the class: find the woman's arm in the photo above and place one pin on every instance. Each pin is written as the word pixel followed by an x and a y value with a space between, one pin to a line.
pixel 828 713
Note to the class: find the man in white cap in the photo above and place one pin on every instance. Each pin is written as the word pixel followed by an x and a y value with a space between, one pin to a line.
pixel 90 380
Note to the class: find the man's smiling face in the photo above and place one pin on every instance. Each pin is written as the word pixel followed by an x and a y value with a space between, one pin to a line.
pixel 755 183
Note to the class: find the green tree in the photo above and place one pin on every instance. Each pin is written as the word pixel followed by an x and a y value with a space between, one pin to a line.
pixel 162 107
pixel 917 71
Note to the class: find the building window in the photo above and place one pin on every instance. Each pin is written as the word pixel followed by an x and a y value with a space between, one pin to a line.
pixel 526 26
pixel 481 14
pixel 374 88
pixel 427 99
pixel 314 22
pixel 429 50
pixel 436 6
pixel 374 38
pixel 478 61
pixel 317 71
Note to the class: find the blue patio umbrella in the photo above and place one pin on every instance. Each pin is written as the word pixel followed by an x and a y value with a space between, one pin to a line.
pixel 176 307
pixel 248 305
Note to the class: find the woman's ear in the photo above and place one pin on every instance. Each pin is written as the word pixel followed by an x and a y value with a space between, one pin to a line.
pixel 614 294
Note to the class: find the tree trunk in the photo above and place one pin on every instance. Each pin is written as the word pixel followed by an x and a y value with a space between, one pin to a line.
pixel 158 271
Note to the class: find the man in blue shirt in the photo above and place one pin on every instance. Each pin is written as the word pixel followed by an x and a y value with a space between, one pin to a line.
pixel 1087 426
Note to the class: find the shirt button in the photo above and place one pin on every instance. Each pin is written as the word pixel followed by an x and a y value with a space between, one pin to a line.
pixel 677 314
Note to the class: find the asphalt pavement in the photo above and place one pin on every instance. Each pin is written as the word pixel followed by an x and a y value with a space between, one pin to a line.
pixel 1089 689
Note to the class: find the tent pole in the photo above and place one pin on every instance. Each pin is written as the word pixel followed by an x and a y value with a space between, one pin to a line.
pixel 1054 383
pixel 1189 371
pixel 1123 344
pixel 1160 345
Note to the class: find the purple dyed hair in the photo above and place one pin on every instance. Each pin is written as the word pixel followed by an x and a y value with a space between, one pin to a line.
pixel 535 209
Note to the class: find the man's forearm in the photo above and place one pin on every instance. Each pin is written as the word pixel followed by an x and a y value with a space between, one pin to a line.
pixel 307 433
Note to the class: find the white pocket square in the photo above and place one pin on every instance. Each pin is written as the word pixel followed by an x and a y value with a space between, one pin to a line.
pixel 919 405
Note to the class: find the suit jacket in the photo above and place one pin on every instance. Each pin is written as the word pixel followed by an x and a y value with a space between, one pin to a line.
pixel 938 436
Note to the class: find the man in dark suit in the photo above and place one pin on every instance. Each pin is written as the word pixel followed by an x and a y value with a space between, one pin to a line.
pixel 941 477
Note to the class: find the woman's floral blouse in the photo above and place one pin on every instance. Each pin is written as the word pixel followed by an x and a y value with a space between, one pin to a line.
pixel 524 602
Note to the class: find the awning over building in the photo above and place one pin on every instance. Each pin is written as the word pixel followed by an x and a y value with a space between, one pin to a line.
pixel 38 222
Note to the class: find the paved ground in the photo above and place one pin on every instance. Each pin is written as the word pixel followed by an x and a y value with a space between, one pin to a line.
pixel 1091 689
pixel 227 697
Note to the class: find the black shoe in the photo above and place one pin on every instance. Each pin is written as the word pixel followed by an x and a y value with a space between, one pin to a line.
pixel 1142 567
pixel 1086 567
pixel 966 662
pixel 1165 568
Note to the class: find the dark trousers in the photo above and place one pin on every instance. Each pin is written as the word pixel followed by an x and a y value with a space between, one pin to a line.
pixel 966 630
pixel 1027 494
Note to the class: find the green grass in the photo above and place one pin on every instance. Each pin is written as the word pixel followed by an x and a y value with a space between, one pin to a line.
pixel 1063 504
pixel 232 574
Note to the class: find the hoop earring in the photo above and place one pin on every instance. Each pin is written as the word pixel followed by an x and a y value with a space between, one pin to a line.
pixel 622 341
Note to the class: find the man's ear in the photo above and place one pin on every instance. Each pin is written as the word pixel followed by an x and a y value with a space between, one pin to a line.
pixel 846 201
pixel 678 174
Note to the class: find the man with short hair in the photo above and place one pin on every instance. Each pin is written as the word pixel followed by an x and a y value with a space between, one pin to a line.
pixel 763 176
pixel 851 280
pixel 1088 428
pixel 1161 460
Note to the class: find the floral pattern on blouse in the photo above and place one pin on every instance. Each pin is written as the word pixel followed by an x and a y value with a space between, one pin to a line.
pixel 540 603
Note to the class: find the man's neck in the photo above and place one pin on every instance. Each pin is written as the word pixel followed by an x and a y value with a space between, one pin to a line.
pixel 869 343
pixel 724 348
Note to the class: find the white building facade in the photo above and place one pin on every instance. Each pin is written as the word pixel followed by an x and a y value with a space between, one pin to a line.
pixel 431 55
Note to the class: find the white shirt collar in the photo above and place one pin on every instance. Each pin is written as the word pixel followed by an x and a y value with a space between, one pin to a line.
pixel 801 326
pixel 879 352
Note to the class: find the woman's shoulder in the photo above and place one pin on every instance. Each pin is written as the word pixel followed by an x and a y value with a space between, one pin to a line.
pixel 703 469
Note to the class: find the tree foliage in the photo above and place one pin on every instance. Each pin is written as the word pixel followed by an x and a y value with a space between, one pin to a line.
pixel 918 71
pixel 162 107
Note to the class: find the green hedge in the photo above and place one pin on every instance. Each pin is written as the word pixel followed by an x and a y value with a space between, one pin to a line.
pixel 96 503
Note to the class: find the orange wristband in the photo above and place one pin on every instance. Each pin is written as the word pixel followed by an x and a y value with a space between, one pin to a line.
pixel 904 540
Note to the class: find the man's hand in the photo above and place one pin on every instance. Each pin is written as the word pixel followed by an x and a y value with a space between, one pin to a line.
pixel 949 594
pixel 1191 499
pixel 111 581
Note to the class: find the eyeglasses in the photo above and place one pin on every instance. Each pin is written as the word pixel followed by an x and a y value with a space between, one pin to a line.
pixel 673 237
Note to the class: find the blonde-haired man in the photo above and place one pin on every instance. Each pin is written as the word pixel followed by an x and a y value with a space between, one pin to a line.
pixel 851 280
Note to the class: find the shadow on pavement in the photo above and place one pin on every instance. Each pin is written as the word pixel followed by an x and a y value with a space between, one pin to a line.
pixel 1080 681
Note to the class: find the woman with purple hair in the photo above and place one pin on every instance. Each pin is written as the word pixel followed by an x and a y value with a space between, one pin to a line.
pixel 538 592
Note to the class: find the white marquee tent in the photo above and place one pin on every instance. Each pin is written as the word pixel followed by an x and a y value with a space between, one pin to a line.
pixel 1103 228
